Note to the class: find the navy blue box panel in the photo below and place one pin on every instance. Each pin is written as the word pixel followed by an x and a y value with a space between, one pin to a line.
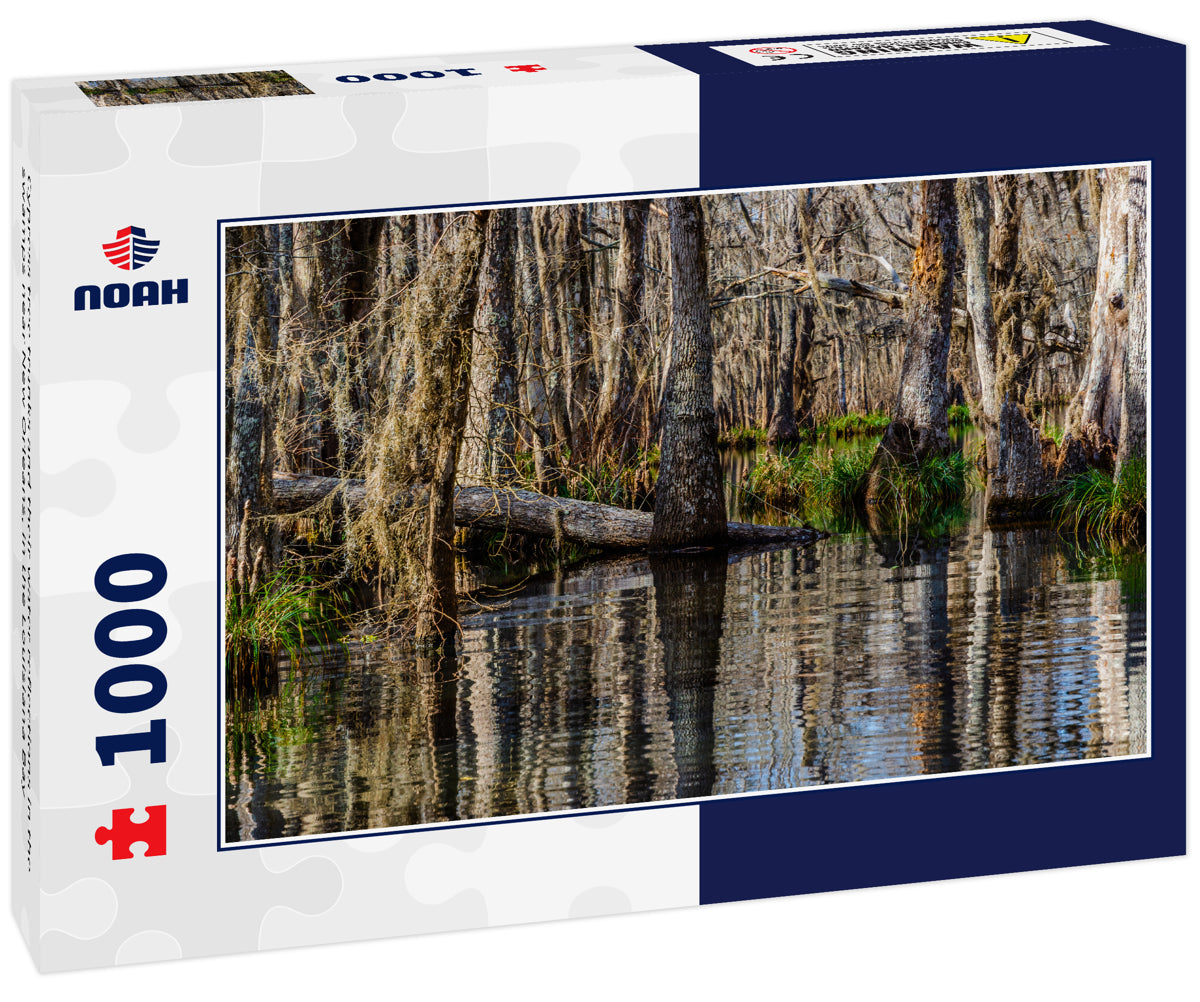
pixel 926 115
pixel 936 829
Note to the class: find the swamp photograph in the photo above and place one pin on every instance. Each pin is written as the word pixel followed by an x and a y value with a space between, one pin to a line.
pixel 550 507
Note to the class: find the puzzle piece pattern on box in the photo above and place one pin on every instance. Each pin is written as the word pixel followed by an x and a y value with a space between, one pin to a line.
pixel 600 120
pixel 84 489
pixel 85 909
pixel 85 462
pixel 207 902
pixel 93 145
pixel 529 872
pixel 402 155
pixel 498 874
pixel 125 435
pixel 218 134
pixel 373 869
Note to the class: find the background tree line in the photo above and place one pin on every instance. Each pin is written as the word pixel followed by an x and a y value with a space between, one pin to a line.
pixel 377 364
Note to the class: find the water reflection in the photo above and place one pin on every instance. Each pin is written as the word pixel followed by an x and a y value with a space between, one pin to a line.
pixel 648 679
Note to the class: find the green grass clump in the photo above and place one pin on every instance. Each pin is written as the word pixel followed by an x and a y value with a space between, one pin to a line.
pixel 824 486
pixel 959 414
pixel 846 425
pixel 921 494
pixel 1096 505
pixel 818 483
pixel 285 614
pixel 742 437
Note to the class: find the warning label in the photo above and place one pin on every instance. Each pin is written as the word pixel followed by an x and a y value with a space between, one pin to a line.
pixel 827 50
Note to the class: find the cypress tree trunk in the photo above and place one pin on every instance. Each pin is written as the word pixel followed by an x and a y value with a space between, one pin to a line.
pixel 549 283
pixel 783 417
pixel 536 395
pixel 1095 413
pixel 252 319
pixel 445 360
pixel 490 442
pixel 689 503
pixel 245 550
pixel 803 367
pixel 919 426
pixel 975 217
pixel 1131 443
pixel 577 346
pixel 621 400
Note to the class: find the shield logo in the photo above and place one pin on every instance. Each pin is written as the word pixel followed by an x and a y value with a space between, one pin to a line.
pixel 131 250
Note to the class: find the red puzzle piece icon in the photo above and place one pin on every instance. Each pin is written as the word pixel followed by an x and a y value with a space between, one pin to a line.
pixel 124 832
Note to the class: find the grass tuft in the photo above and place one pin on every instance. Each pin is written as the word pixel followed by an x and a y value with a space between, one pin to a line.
pixel 1095 505
pixel 959 414
pixel 742 437
pixel 286 614
pixel 823 485
pixel 847 425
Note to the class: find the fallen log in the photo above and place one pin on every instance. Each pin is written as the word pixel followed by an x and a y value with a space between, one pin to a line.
pixel 526 512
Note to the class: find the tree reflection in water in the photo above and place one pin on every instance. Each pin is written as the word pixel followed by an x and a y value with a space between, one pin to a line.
pixel 689 604
pixel 693 674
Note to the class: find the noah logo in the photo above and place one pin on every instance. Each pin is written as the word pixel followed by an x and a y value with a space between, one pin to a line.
pixel 131 250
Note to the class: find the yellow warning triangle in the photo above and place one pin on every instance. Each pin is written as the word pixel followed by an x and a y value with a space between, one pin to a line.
pixel 1015 39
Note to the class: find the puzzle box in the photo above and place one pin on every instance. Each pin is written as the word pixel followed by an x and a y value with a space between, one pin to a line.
pixel 466 490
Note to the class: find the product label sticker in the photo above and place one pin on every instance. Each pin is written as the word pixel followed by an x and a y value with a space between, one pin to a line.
pixel 830 50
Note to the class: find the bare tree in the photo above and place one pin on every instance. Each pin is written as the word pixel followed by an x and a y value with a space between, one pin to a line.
pixel 689 505
pixel 919 426
pixel 490 439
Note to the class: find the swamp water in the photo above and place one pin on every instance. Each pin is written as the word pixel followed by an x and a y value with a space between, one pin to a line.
pixel 644 679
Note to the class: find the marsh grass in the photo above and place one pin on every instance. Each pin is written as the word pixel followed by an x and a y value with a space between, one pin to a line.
pixel 848 425
pixel 959 414
pixel 1097 506
pixel 286 614
pixel 1055 433
pixel 742 437
pixel 824 485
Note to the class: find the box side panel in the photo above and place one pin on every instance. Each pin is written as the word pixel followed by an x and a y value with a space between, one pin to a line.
pixel 130 446
pixel 25 763
pixel 968 825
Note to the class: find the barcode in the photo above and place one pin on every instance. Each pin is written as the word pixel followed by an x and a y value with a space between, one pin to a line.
pixel 888 48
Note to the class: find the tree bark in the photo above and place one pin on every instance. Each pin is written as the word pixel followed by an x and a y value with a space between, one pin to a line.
pixel 621 400
pixel 782 427
pixel 245 537
pixel 446 358
pixel 975 219
pixel 536 393
pixel 805 384
pixel 689 505
pixel 549 282
pixel 252 339
pixel 1131 443
pixel 1095 414
pixel 489 444
pixel 919 427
